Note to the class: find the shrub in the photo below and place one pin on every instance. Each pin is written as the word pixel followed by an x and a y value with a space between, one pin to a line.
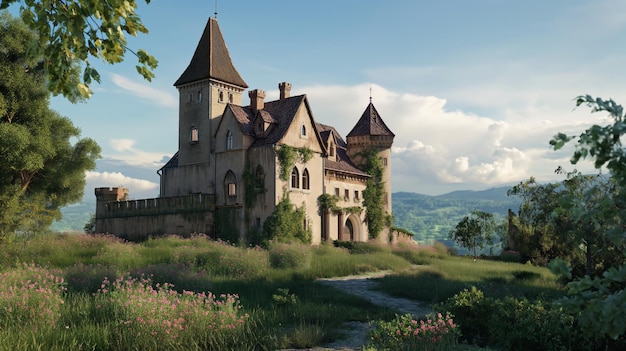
pixel 405 333
pixel 160 318
pixel 88 278
pixel 295 256
pixel 30 296
pixel 225 260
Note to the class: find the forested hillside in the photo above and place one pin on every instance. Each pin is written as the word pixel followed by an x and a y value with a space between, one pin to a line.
pixel 429 217
pixel 432 217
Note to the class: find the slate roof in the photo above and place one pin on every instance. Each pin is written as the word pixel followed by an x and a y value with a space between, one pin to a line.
pixel 211 59
pixel 370 123
pixel 171 163
pixel 343 163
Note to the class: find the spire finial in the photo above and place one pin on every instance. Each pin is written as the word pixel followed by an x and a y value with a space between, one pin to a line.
pixel 370 94
pixel 215 13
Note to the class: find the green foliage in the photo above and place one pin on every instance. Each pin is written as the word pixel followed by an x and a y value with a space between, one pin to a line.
pixel 225 224
pixel 436 332
pixel 71 32
pixel 44 162
pixel 373 196
pixel 253 186
pixel 287 157
pixel 601 300
pixel 289 256
pixel 511 323
pixel 286 224
pixel 474 231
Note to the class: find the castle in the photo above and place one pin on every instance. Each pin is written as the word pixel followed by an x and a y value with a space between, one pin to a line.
pixel 235 163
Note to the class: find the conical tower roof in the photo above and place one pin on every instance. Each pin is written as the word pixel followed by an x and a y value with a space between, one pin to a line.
pixel 370 123
pixel 211 59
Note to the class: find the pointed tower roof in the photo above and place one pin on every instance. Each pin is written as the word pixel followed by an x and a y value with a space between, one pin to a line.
pixel 211 59
pixel 370 123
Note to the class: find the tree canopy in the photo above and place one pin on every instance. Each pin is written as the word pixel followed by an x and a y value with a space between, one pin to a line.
pixel 43 159
pixel 474 231
pixel 600 300
pixel 71 31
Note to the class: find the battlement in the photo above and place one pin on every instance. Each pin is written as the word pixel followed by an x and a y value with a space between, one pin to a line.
pixel 157 206
pixel 111 194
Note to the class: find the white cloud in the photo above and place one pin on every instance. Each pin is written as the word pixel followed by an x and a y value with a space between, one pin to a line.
pixel 128 154
pixel 139 188
pixel 144 91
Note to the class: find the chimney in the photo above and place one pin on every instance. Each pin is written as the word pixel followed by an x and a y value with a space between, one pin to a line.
pixel 284 88
pixel 256 99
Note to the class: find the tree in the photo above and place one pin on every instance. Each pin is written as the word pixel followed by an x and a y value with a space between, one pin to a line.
pixel 474 231
pixel 601 300
pixel 43 160
pixel 70 31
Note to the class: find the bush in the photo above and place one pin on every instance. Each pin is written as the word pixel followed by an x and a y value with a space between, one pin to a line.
pixel 225 260
pixel 294 256
pixel 405 333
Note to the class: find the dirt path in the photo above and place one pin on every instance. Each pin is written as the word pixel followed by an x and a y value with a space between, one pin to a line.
pixel 361 286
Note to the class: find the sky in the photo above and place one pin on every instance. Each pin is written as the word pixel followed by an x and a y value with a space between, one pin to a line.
pixel 473 90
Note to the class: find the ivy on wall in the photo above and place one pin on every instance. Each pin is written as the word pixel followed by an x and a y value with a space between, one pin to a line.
pixel 328 202
pixel 286 224
pixel 287 156
pixel 225 224
pixel 373 195
pixel 253 186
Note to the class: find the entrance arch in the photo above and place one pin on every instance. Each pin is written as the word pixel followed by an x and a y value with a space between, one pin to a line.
pixel 351 229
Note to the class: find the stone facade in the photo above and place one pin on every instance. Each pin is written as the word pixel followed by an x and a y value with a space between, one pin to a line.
pixel 228 158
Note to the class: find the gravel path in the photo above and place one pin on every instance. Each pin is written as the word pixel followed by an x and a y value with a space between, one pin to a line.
pixel 361 285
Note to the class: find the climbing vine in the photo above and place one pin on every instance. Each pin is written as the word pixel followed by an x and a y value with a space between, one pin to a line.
pixel 253 186
pixel 286 224
pixel 328 202
pixel 373 195
pixel 287 156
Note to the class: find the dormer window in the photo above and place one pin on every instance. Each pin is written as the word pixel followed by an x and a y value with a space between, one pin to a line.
pixel 259 127
pixel 193 135
pixel 331 149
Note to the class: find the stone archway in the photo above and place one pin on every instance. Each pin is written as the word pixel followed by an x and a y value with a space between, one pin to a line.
pixel 351 228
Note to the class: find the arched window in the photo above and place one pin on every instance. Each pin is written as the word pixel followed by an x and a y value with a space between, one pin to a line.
pixel 303 130
pixel 230 98
pixel 259 178
pixel 230 186
pixel 295 178
pixel 193 134
pixel 229 140
pixel 305 179
pixel 221 96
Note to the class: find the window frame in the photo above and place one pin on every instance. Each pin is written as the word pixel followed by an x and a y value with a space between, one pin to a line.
pixel 295 178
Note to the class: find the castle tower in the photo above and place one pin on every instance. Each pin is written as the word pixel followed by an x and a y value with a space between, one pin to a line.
pixel 371 133
pixel 205 87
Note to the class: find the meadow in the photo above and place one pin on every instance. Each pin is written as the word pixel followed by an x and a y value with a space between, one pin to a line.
pixel 76 292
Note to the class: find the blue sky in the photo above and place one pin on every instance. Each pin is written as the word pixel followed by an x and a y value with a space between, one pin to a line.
pixel 473 90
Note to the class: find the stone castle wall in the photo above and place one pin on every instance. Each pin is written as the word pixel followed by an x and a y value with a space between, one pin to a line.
pixel 137 220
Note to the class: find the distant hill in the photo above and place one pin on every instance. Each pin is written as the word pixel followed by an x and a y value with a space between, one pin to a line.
pixel 429 217
pixel 432 217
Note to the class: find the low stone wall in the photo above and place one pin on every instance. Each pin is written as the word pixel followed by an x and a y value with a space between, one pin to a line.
pixel 137 220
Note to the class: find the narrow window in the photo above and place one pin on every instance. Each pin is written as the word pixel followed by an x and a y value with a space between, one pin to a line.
pixel 331 151
pixel 193 135
pixel 303 130
pixel 305 179
pixel 189 97
pixel 199 95
pixel 230 98
pixel 337 192
pixel 229 140
pixel 257 222
pixel 259 178
pixel 346 194
pixel 356 195
pixel 232 189
pixel 385 161
pixel 304 224
pixel 295 181
pixel 230 186
pixel 221 96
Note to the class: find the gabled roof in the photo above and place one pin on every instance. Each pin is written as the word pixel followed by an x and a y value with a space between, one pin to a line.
pixel 171 163
pixel 370 123
pixel 211 59
pixel 343 163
